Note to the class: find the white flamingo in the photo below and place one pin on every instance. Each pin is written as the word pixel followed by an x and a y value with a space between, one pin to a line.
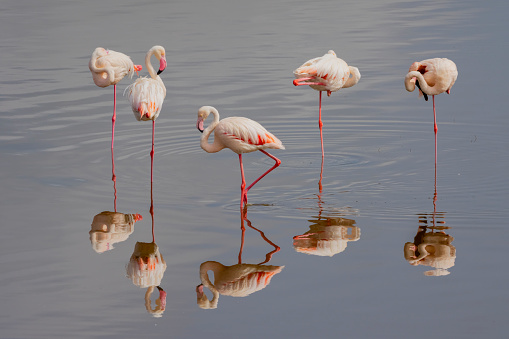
pixel 146 95
pixel 108 68
pixel 326 73
pixel 241 135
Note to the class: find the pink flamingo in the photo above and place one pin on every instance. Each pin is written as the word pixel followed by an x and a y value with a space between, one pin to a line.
pixel 241 135
pixel 108 68
pixel 146 95
pixel 432 77
pixel 327 73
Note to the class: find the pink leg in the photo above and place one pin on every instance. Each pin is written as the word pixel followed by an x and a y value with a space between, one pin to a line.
pixel 278 162
pixel 320 123
pixel 152 152
pixel 243 198
pixel 434 114
pixel 114 118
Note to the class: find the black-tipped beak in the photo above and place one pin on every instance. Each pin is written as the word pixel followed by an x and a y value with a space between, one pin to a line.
pixel 201 131
pixel 160 71
pixel 419 87
pixel 159 288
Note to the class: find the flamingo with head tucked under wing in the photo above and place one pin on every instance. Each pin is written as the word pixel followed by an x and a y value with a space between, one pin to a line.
pixel 432 77
pixel 146 95
pixel 241 135
pixel 108 68
pixel 326 73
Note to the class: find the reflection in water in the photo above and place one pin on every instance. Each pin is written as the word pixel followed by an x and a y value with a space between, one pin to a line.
pixel 146 268
pixel 109 228
pixel 239 280
pixel 328 235
pixel 157 311
pixel 432 246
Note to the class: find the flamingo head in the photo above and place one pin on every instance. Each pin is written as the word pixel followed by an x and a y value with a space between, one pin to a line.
pixel 160 54
pixel 203 113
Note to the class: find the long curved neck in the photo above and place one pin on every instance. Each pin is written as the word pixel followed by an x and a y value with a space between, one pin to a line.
pixel 356 76
pixel 204 277
pixel 216 146
pixel 150 69
pixel 410 85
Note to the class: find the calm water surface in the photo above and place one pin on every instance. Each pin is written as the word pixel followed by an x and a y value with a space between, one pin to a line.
pixel 345 247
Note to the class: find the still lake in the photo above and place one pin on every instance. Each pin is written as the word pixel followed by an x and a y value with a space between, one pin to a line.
pixel 344 246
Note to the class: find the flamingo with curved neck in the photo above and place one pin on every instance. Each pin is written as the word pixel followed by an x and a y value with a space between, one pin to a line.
pixel 146 95
pixel 238 280
pixel 241 135
pixel 432 77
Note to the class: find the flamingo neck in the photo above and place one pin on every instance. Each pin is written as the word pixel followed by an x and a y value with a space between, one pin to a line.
pixel 204 277
pixel 425 88
pixel 216 146
pixel 150 69
pixel 356 76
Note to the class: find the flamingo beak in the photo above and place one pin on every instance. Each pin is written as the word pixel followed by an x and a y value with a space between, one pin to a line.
pixel 199 291
pixel 199 125
pixel 137 68
pixel 162 65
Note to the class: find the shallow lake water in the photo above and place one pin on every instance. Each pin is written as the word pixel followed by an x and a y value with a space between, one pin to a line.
pixel 344 245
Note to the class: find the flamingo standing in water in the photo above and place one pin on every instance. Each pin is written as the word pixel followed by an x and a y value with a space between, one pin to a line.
pixel 432 77
pixel 327 73
pixel 241 135
pixel 108 68
pixel 146 95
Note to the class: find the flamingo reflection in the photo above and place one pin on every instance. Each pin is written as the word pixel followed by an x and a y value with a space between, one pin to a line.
pixel 146 268
pixel 432 246
pixel 239 280
pixel 328 235
pixel 108 227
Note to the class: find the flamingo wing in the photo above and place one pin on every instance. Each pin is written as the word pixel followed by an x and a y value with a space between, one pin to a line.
pixel 244 135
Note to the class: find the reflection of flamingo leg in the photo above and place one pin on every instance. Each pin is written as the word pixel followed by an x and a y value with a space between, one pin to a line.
pixel 114 118
pixel 268 256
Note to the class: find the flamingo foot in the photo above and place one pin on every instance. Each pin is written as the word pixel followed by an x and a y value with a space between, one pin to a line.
pixel 329 93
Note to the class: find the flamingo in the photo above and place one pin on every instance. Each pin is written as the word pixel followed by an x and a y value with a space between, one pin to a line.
pixel 146 95
pixel 108 68
pixel 432 77
pixel 327 73
pixel 241 135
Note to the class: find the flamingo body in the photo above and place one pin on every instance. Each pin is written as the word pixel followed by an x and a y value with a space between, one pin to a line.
pixel 241 135
pixel 146 95
pixel 432 76
pixel 109 67
pixel 326 73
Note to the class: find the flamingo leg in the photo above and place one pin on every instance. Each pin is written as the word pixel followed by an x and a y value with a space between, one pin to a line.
pixel 278 162
pixel 434 114
pixel 320 123
pixel 243 198
pixel 114 118
pixel 152 152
